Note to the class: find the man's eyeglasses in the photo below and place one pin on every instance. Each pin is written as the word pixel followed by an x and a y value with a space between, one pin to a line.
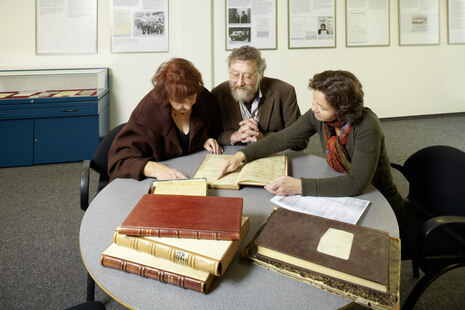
pixel 245 76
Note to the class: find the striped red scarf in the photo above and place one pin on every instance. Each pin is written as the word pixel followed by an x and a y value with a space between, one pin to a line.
pixel 336 154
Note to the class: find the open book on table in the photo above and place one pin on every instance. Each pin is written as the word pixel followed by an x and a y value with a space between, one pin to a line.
pixel 257 173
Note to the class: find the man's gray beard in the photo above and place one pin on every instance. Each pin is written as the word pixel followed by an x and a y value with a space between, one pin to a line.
pixel 244 97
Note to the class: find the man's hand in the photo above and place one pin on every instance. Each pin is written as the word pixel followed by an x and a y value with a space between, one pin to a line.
pixel 247 132
pixel 230 164
pixel 161 172
pixel 285 186
pixel 213 146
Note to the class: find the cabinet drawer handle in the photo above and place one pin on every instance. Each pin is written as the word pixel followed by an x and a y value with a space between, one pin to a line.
pixel 1 113
pixel 71 110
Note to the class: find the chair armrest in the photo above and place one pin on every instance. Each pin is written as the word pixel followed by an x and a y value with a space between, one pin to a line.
pixel 434 223
pixel 85 173
pixel 399 168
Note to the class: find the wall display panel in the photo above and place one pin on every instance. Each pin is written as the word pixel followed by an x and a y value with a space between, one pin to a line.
pixel 251 22
pixel 418 22
pixel 456 21
pixel 312 23
pixel 367 23
pixel 69 15
pixel 139 26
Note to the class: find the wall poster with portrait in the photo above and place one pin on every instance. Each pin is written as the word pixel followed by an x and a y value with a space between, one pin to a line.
pixel 419 22
pixel 137 26
pixel 251 22
pixel 312 23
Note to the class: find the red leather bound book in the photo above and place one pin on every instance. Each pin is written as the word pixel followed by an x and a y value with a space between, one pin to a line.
pixel 148 266
pixel 182 216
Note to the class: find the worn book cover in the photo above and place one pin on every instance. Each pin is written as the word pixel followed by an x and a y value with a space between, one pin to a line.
pixel 212 256
pixel 149 266
pixel 193 187
pixel 184 216
pixel 353 291
pixel 256 173
pixel 341 250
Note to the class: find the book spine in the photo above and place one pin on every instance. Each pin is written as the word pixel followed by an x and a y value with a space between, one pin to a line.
pixel 153 273
pixel 176 233
pixel 173 254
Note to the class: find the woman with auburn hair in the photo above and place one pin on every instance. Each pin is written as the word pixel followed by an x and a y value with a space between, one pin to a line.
pixel 351 138
pixel 177 117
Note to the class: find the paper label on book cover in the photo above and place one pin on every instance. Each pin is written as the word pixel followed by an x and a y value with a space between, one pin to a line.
pixel 337 243
pixel 181 257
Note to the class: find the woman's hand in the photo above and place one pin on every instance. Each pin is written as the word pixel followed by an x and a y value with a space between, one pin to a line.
pixel 285 186
pixel 213 146
pixel 162 172
pixel 230 164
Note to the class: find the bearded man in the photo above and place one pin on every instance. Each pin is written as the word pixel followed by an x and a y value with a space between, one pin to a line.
pixel 252 105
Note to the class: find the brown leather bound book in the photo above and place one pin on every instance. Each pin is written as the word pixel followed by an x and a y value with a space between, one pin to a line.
pixel 146 265
pixel 182 216
pixel 351 253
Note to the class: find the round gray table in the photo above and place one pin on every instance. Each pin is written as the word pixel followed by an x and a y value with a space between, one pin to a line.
pixel 244 285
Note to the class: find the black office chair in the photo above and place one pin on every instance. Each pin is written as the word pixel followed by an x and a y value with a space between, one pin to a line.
pixel 435 236
pixel 99 164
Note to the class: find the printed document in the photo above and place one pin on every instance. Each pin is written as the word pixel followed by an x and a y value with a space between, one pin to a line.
pixel 343 209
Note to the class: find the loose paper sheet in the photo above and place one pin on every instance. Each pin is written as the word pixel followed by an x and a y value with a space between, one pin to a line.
pixel 66 93
pixel 343 209
pixel 336 242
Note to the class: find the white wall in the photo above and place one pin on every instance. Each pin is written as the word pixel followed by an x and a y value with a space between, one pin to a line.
pixel 398 80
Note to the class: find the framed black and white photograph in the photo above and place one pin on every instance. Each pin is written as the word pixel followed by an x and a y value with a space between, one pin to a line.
pixel 136 29
pixel 251 22
pixel 419 22
pixel 367 23
pixel 456 21
pixel 312 23
pixel 69 15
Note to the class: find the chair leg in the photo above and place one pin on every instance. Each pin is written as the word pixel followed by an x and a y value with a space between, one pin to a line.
pixel 415 268
pixel 423 284
pixel 90 288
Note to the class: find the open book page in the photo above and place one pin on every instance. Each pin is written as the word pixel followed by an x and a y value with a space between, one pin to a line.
pixel 343 209
pixel 194 187
pixel 209 169
pixel 264 170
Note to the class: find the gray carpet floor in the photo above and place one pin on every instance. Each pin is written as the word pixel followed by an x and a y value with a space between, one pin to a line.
pixel 40 263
